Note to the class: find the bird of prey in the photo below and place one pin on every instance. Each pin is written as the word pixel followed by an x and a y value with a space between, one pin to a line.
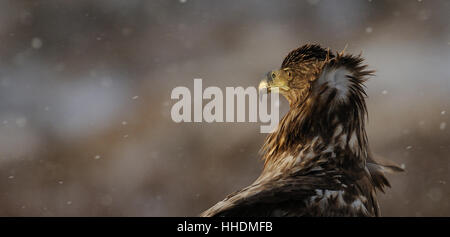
pixel 317 162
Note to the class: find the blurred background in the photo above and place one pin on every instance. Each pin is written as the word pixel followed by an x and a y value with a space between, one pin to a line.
pixel 85 127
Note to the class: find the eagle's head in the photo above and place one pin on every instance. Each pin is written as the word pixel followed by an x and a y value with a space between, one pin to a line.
pixel 298 72
pixel 327 105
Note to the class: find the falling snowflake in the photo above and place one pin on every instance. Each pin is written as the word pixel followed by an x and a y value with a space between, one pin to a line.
pixel 36 43
pixel 384 92
pixel 97 157
pixel 443 125
pixel 21 122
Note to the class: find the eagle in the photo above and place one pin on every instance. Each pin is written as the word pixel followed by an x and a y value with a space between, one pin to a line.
pixel 317 162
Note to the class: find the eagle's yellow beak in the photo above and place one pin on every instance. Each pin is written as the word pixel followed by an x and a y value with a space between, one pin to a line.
pixel 275 79
pixel 264 85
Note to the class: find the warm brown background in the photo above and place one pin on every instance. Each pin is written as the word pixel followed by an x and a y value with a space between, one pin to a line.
pixel 85 86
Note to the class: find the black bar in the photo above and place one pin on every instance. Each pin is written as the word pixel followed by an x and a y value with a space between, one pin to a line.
pixel 150 226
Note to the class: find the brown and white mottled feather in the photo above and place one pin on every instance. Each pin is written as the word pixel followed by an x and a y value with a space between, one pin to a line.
pixel 317 162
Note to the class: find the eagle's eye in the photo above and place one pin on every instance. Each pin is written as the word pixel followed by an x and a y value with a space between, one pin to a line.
pixel 289 75
pixel 273 75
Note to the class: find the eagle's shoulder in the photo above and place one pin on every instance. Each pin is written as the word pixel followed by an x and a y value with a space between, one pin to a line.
pixel 311 193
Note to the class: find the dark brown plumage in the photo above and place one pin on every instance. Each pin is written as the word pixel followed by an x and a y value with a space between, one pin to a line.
pixel 317 162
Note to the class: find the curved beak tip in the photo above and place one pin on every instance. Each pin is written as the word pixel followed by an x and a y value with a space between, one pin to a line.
pixel 263 85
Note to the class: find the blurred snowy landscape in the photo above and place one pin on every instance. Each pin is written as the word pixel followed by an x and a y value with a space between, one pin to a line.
pixel 85 127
